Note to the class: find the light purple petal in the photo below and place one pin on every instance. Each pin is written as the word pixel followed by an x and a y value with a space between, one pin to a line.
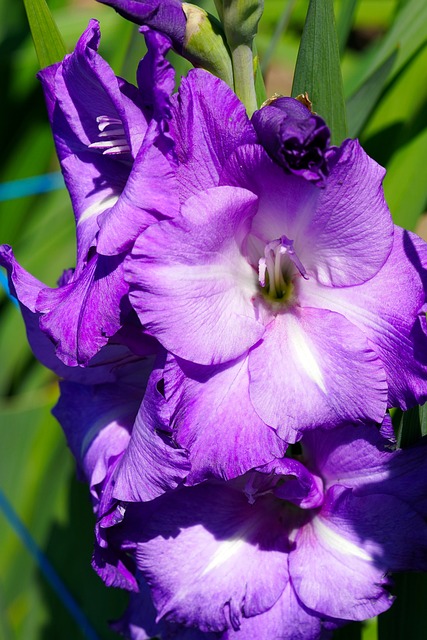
pixel 214 419
pixel 351 233
pixel 314 368
pixel 389 310
pixel 288 619
pixel 363 460
pixel 333 571
pixel 97 421
pixel 189 283
pixel 206 131
pixel 210 557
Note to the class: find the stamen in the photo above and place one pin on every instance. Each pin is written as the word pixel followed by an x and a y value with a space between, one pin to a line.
pixel 113 140
pixel 275 268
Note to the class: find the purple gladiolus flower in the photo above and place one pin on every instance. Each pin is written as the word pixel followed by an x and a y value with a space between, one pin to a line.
pixel 289 550
pixel 280 290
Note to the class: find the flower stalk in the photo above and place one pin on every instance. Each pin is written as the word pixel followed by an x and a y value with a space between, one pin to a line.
pixel 240 19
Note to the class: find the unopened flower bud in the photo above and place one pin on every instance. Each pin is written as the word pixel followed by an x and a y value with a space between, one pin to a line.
pixel 204 44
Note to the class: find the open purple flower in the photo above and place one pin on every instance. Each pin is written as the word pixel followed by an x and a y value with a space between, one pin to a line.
pixel 289 550
pixel 280 290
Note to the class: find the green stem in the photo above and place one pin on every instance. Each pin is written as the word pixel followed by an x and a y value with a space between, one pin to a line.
pixel 244 81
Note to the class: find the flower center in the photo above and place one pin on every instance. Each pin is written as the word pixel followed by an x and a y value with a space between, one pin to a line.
pixel 277 269
pixel 112 138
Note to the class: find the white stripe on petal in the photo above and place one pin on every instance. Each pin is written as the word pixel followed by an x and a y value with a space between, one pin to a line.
pixel 336 542
pixel 98 207
pixel 303 353
pixel 225 551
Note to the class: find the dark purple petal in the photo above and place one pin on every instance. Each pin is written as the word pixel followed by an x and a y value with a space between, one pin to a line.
pixel 81 316
pixel 156 76
pixel 208 123
pixel 295 138
pixel 166 16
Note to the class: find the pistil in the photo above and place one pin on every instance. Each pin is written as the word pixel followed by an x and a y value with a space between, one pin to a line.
pixel 277 268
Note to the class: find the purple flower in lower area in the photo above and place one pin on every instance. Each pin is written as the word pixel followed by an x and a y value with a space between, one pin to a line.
pixel 289 550
pixel 295 138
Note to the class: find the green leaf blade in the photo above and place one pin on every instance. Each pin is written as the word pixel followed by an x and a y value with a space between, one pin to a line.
pixel 362 103
pixel 318 70
pixel 48 42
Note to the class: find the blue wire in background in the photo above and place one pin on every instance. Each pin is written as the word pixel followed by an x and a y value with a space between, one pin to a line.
pixel 5 285
pixel 31 186
pixel 46 568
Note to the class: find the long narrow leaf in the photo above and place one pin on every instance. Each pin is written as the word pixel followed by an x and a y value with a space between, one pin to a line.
pixel 408 33
pixel 48 42
pixel 405 185
pixel 344 22
pixel 318 69
pixel 362 103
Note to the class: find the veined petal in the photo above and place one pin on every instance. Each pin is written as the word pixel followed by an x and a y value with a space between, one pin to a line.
pixel 392 319
pixel 288 619
pixel 307 373
pixel 152 463
pixel 214 419
pixel 358 541
pixel 193 265
pixel 232 560
pixel 206 131
pixel 82 315
pixel 335 575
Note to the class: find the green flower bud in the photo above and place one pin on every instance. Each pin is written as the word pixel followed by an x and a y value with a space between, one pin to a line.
pixel 204 44
pixel 240 19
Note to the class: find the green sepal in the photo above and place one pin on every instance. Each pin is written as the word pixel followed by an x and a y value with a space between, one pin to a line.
pixel 205 45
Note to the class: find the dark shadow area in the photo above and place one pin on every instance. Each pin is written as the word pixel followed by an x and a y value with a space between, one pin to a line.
pixel 69 549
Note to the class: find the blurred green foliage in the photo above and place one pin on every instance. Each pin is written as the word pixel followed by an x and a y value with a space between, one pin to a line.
pixel 384 63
